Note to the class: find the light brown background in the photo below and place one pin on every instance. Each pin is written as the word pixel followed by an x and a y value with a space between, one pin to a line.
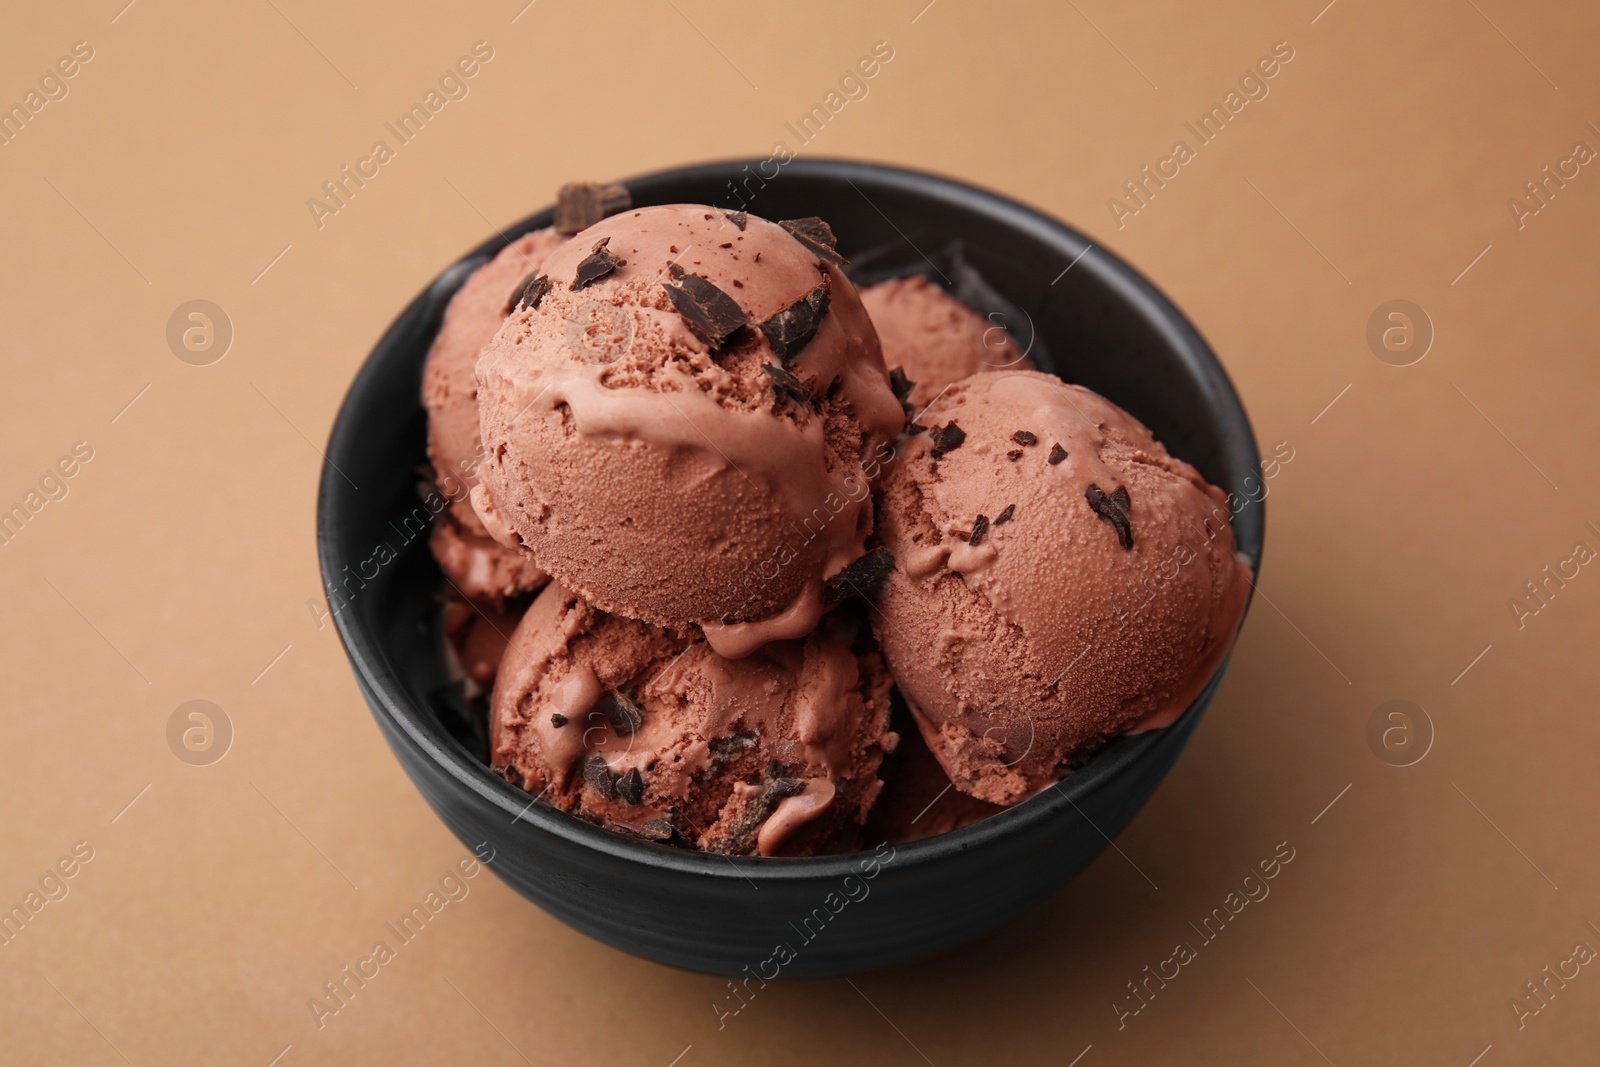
pixel 182 562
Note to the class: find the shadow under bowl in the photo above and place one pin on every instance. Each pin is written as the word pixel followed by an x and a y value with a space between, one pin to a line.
pixel 1086 316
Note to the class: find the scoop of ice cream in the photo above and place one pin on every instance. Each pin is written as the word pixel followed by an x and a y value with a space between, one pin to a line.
pixel 1058 579
pixel 645 730
pixel 935 339
pixel 480 567
pixel 478 633
pixel 918 800
pixel 683 421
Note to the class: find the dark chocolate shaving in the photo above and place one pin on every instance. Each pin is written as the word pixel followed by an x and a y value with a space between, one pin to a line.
pixel 816 235
pixel 624 712
pixel 1057 454
pixel 899 383
pixel 863 578
pixel 738 218
pixel 657 829
pixel 510 774
pixel 711 314
pixel 947 438
pixel 580 205
pixel 723 747
pixel 980 526
pixel 630 787
pixel 557 720
pixel 785 386
pixel 596 265
pixel 791 329
pixel 738 837
pixel 1113 509
pixel 783 788
pixel 1023 437
pixel 529 290
pixel 597 774
pixel 1014 455
pixel 1005 516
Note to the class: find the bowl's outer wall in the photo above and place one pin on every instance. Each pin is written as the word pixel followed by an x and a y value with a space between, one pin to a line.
pixel 1107 329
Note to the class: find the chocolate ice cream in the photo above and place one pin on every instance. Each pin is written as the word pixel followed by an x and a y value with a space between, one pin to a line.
pixel 934 339
pixel 1058 579
pixel 682 420
pixel 648 731
pixel 687 417
pixel 479 567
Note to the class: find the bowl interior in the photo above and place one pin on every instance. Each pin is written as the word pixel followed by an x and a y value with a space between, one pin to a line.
pixel 1082 313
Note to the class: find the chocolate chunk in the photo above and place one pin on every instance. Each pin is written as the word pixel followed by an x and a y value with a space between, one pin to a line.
pixel 1113 509
pixel 1014 455
pixel 737 837
pixel 529 290
pixel 817 236
pixel 791 329
pixel 1023 437
pixel 557 720
pixel 657 829
pixel 786 385
pixel 738 218
pixel 862 578
pixel 899 383
pixel 980 526
pixel 1005 516
pixel 711 314
pixel 630 787
pixel 723 747
pixel 510 774
pixel 782 788
pixel 1057 454
pixel 597 774
pixel 596 265
pixel 624 712
pixel 580 205
pixel 947 439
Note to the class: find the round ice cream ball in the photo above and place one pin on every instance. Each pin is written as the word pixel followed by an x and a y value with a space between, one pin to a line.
pixel 935 339
pixel 647 731
pixel 683 423
pixel 479 566
pixel 1058 579
pixel 476 633
pixel 917 801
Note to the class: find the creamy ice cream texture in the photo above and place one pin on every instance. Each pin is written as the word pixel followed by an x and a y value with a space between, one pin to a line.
pixel 650 732
pixel 1059 579
pixel 934 339
pixel 479 567
pixel 686 415
pixel 683 420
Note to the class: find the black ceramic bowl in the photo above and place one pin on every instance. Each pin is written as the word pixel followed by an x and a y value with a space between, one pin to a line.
pixel 1089 318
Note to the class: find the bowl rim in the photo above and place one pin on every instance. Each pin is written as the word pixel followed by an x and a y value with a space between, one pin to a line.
pixel 387 697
